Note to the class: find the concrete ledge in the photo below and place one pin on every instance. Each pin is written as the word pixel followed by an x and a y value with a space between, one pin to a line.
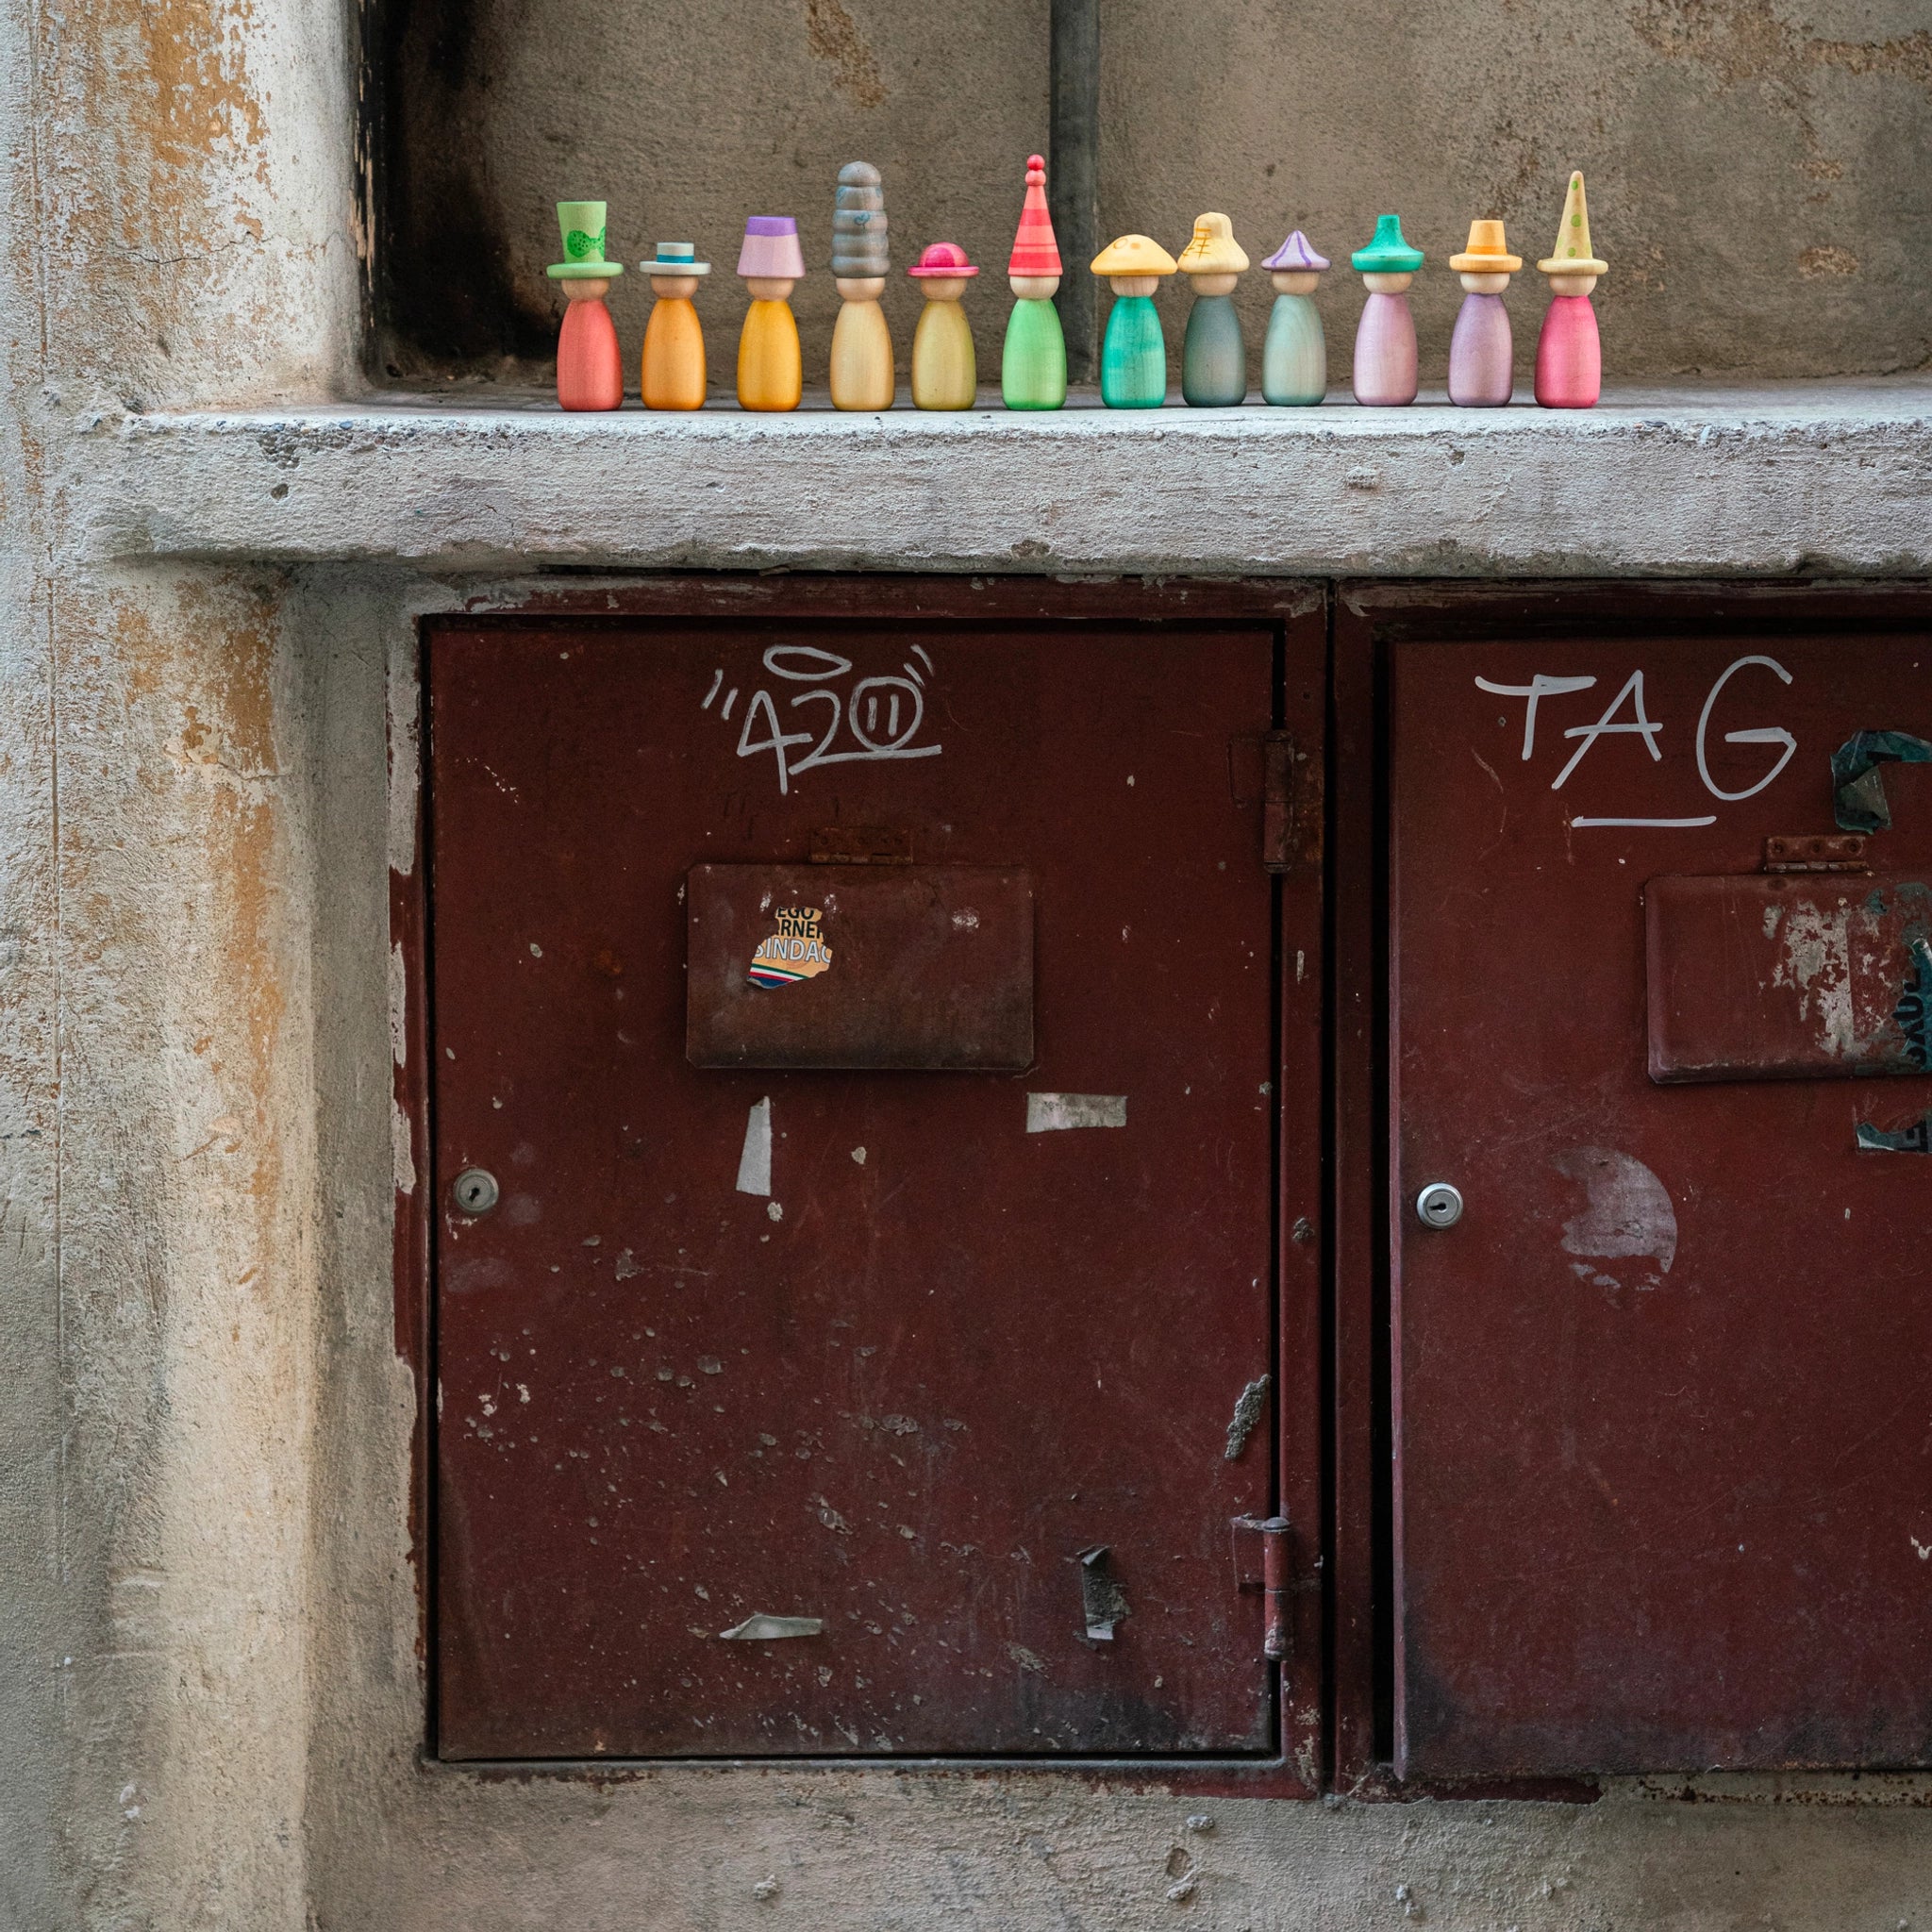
pixel 1831 479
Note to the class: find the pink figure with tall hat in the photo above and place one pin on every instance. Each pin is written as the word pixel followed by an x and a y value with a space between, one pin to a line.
pixel 1569 353
pixel 1482 352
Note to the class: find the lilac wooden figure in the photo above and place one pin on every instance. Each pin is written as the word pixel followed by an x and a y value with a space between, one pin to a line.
pixel 1482 353
pixel 1385 367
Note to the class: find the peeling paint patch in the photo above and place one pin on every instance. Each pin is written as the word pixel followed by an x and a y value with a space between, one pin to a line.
pixel 760 1628
pixel 1629 1211
pixel 1247 1412
pixel 755 1160
pixel 1053 1113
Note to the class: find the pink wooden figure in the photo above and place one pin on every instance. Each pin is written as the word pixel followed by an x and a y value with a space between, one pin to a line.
pixel 1482 353
pixel 589 370
pixel 1385 372
pixel 1569 353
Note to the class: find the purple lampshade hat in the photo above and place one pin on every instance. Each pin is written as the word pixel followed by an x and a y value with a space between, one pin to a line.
pixel 771 251
pixel 1294 257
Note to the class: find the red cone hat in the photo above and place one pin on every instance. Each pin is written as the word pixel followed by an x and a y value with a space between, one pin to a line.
pixel 1035 251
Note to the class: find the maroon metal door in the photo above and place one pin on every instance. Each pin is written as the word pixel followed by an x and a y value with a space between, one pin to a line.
pixel 1664 1395
pixel 808 1410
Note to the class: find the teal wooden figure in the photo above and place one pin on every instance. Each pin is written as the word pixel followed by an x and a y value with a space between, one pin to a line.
pixel 1133 353
pixel 1294 354
pixel 1033 365
pixel 1215 359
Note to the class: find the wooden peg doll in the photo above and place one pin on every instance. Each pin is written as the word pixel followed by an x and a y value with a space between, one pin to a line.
pixel 863 374
pixel 674 365
pixel 1385 370
pixel 1033 363
pixel 1133 353
pixel 1215 359
pixel 1294 353
pixel 1569 352
pixel 1482 352
pixel 769 372
pixel 589 368
pixel 1386 337
pixel 943 375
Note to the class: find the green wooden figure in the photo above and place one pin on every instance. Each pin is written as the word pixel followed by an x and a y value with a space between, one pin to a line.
pixel 1033 365
pixel 1215 359
pixel 1294 355
pixel 1133 353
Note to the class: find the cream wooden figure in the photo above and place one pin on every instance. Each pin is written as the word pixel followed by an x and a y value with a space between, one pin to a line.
pixel 862 372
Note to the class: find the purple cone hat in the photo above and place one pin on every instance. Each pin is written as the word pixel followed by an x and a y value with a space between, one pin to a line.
pixel 1294 257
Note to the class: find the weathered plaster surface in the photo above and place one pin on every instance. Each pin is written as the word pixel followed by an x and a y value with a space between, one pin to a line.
pixel 1756 167
pixel 1831 479
pixel 210 1695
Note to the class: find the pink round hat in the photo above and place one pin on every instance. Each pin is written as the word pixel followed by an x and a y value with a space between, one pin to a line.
pixel 941 260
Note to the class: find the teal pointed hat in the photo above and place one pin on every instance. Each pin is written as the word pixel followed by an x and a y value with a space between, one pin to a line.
pixel 1388 254
pixel 582 224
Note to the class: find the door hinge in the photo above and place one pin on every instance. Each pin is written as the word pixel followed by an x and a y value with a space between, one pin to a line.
pixel 1292 805
pixel 1264 1562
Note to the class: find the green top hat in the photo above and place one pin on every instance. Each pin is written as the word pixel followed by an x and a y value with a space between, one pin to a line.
pixel 1388 254
pixel 582 223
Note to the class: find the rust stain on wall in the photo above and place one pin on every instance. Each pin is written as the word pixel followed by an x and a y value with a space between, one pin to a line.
pixel 833 36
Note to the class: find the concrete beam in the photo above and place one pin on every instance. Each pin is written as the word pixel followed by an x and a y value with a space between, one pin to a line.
pixel 1814 479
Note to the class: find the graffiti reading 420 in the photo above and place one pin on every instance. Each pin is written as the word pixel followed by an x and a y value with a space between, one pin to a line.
pixel 867 719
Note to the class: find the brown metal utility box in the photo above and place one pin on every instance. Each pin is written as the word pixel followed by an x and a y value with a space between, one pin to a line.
pixel 895 1063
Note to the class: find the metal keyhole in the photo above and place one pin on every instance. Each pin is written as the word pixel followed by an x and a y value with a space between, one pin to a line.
pixel 476 1191
pixel 1438 1204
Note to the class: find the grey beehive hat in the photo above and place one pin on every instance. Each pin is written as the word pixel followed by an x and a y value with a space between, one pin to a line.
pixel 858 222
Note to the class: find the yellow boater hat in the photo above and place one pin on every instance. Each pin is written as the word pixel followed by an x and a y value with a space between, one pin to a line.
pixel 1572 255
pixel 1488 253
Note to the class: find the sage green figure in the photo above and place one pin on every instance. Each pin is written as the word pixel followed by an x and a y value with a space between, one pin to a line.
pixel 1033 364
pixel 1133 353
pixel 1215 359
pixel 1294 353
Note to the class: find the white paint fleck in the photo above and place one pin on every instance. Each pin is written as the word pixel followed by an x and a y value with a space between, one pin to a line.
pixel 1924 1550
pixel 536 951
pixel 1817 962
pixel 966 920
pixel 755 1161
pixel 760 1628
pixel 1051 1113
pixel 1629 1211
pixel 858 1155
pixel 775 1209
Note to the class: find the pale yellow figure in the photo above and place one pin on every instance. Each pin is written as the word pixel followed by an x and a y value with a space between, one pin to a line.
pixel 943 373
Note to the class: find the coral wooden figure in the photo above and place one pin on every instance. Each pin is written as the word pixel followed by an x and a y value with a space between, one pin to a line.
pixel 769 372
pixel 1215 359
pixel 674 365
pixel 1385 374
pixel 862 375
pixel 1294 353
pixel 590 369
pixel 1033 363
pixel 1133 353
pixel 1569 353
pixel 1482 352
pixel 943 375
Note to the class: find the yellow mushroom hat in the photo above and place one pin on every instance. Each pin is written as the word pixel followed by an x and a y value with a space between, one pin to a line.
pixel 1572 255
pixel 1133 255
pixel 1213 250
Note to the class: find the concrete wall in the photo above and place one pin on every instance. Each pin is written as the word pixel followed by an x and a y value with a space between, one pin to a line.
pixel 210 1693
pixel 1755 168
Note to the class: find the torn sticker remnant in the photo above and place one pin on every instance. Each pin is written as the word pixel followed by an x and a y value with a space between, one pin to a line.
pixel 755 1161
pixel 1915 1139
pixel 1051 1113
pixel 760 1628
pixel 796 951
pixel 1102 1599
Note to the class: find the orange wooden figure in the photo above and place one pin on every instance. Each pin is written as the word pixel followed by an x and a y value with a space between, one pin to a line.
pixel 673 366
pixel 590 369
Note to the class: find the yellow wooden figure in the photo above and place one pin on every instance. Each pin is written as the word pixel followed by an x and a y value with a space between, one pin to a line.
pixel 943 375
pixel 862 372
pixel 674 369
pixel 770 370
